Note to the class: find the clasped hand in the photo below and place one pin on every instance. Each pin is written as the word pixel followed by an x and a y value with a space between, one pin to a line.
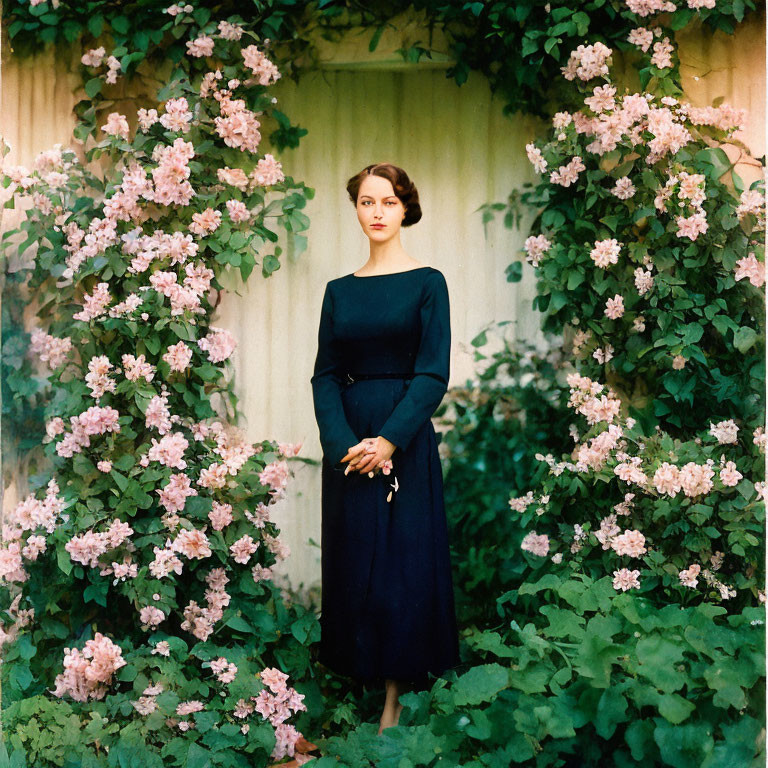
pixel 370 455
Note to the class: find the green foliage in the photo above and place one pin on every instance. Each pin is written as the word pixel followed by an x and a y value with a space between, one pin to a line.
pixel 519 47
pixel 589 674
pixel 496 426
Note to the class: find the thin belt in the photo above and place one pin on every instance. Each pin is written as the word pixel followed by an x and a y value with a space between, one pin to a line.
pixel 350 377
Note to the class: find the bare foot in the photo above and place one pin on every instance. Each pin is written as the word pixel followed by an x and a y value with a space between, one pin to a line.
pixel 388 719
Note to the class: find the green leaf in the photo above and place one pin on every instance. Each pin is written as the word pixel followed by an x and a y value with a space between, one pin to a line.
pixel 744 338
pixel 121 25
pixel 93 86
pixel 480 684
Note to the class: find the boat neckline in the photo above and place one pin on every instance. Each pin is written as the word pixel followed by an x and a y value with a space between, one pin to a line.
pixel 388 274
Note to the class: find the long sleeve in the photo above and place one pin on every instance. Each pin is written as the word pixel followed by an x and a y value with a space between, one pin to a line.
pixel 336 436
pixel 431 366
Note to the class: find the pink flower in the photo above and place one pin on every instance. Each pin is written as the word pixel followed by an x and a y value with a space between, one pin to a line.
pixel 177 116
pixel 667 479
pixel 725 432
pixel 537 544
pixel 749 267
pixel 238 211
pixel 150 617
pixel 243 548
pixel 536 158
pixel 205 222
pixel 586 62
pixel 630 543
pixel 202 46
pixel 193 544
pixel 729 475
pixel 116 125
pixel 614 308
pixel 535 248
pixel 178 356
pixel 567 174
pixel 641 37
pixel 605 252
pixel 266 72
pixel 662 54
pixel 93 57
pixel 624 579
pixel 624 188
pixel 688 576
pixel 218 343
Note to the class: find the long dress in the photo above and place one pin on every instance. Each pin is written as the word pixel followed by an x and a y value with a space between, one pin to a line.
pixel 387 605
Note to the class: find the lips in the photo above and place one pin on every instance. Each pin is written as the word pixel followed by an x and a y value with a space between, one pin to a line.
pixel 377 226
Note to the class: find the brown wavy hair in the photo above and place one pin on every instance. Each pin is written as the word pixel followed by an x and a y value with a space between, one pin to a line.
pixel 404 188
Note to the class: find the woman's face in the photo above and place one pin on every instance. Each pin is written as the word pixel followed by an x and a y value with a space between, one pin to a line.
pixel 377 204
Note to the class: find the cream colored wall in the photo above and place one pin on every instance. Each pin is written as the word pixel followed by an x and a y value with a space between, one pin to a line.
pixel 459 151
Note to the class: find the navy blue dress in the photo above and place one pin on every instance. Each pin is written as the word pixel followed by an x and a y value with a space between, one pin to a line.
pixel 387 594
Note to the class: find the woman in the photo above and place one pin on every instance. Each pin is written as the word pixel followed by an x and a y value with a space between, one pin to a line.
pixel 381 371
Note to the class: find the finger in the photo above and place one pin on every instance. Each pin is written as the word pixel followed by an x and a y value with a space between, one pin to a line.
pixel 367 466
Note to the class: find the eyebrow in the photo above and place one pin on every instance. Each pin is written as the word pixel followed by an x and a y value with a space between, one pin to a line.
pixel 386 198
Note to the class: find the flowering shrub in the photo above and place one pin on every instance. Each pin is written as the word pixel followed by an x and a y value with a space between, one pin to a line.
pixel 139 589
pixel 641 232
pixel 492 428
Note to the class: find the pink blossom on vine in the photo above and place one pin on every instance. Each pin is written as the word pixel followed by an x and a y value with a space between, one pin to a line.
pixel 624 188
pixel 178 356
pixel 150 617
pixel 243 548
pixel 93 57
pixel 50 349
pixel 95 304
pixel 729 475
pixel 135 368
pixel 147 118
pixel 641 37
pixel 171 174
pixel 751 202
pixel 535 247
pixel 587 62
pixel 218 343
pixel 237 125
pixel 214 476
pixel 116 125
pixel 662 54
pixel 238 211
pixel 692 226
pixel 205 221
pixel 268 171
pixel 624 579
pixel 688 576
pixel 696 479
pixel 234 177
pixel 614 308
pixel 220 515
pixel 567 174
pixel 749 267
pixel 88 673
pixel 173 495
pixel 602 98
pixel 537 544
pixel 631 543
pixel 266 72
pixel 177 116
pixel 230 31
pixel 725 432
pixel 605 252
pixel 536 158
pixel 201 46
pixel 158 416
